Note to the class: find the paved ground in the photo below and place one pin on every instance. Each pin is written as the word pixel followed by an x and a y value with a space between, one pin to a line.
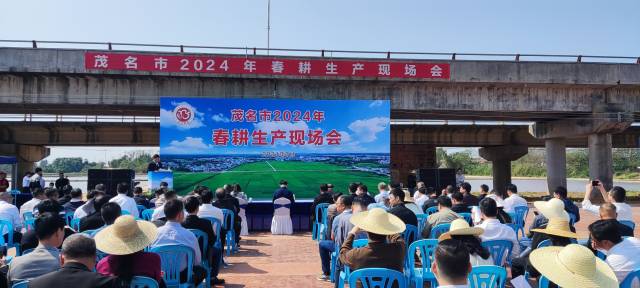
pixel 265 260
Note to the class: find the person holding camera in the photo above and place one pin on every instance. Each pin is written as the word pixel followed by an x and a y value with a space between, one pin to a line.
pixel 616 196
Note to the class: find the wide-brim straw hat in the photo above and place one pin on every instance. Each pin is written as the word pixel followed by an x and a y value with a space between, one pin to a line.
pixel 378 221
pixel 558 227
pixel 573 266
pixel 126 236
pixel 553 208
pixel 460 227
pixel 407 196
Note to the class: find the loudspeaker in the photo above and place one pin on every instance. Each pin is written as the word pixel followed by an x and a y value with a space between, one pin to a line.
pixel 437 178
pixel 110 178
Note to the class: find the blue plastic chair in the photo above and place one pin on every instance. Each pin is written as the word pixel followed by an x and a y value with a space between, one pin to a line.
pixel 631 277
pixel 422 219
pixel 27 216
pixel 8 226
pixel 377 278
pixel 439 230
pixel 21 284
pixel 320 223
pixel 544 243
pixel 346 271
pixel 499 249
pixel 230 238
pixel 171 256
pixel 68 216
pixel 75 224
pixel 124 212
pixel 143 282
pixel 467 217
pixel 628 223
pixel 487 276
pixel 543 282
pixel 417 276
pixel 141 208
pixel 203 240
pixel 410 234
pixel 217 226
pixel 146 214
pixel 431 210
pixel 520 218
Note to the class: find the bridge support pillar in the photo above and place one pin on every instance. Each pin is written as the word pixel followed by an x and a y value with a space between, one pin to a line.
pixel 501 157
pixel 27 156
pixel 407 157
pixel 600 162
pixel 556 158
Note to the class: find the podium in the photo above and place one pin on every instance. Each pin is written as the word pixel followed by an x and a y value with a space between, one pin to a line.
pixel 154 178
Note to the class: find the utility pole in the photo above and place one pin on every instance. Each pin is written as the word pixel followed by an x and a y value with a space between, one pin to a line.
pixel 268 25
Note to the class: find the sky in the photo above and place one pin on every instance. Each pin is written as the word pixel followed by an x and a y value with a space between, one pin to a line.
pixel 586 27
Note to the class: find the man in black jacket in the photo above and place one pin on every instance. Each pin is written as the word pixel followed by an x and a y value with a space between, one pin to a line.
pixel 226 201
pixel 458 203
pixel 324 197
pixel 192 205
pixel 396 199
pixel 284 192
pixel 155 164
pixel 78 260
pixel 94 220
pixel 362 193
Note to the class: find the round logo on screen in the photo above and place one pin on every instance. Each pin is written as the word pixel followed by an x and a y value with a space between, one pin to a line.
pixel 184 114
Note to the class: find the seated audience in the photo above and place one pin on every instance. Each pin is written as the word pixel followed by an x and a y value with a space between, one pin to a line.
pixel 52 195
pixel 75 201
pixel 109 212
pixel 608 212
pixel 573 266
pixel 126 203
pixel 468 198
pixel 29 206
pixel 30 238
pixel 616 196
pixel 88 207
pixel 140 199
pixel 484 192
pixel 362 192
pixel 44 258
pixel 172 233
pixel 332 212
pixel 623 255
pixel 339 230
pixel 226 201
pixel 192 221
pixel 461 231
pixel 451 264
pixel 432 200
pixel 237 191
pixel 208 210
pixel 571 208
pixel 514 200
pixel 443 216
pixel 78 259
pixel 448 191
pixel 323 197
pixel 458 203
pixel 410 204
pixel 158 198
pixel 493 229
pixel 420 196
pixel 10 213
pixel 383 193
pixel 385 249
pixel 396 199
pixel 94 220
pixel 554 208
pixel 158 216
pixel 125 241
pixel 64 194
pixel 557 230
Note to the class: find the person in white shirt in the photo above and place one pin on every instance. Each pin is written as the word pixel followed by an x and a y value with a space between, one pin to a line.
pixel 383 194
pixel 88 207
pixel 158 213
pixel 125 202
pixel 172 233
pixel 514 200
pixel 616 196
pixel 29 206
pixel 493 229
pixel 208 210
pixel 623 255
pixel 10 213
pixel 420 196
pixel 451 264
pixel 26 180
pixel 37 177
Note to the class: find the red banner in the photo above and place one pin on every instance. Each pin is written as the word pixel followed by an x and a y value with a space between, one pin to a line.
pixel 266 66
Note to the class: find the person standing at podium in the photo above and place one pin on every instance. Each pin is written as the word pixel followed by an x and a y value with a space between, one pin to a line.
pixel 155 164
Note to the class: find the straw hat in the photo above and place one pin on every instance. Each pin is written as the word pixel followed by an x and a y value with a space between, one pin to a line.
pixel 460 227
pixel 573 266
pixel 553 208
pixel 126 236
pixel 407 196
pixel 558 227
pixel 378 221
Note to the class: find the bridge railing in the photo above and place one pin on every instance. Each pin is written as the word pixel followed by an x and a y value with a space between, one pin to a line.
pixel 28 117
pixel 318 52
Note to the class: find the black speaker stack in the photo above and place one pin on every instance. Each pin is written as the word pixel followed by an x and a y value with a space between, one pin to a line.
pixel 437 178
pixel 110 178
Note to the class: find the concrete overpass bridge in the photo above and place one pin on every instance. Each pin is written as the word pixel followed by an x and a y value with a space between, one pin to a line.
pixel 566 100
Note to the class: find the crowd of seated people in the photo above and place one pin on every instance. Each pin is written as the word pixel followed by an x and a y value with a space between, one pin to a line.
pixel 550 250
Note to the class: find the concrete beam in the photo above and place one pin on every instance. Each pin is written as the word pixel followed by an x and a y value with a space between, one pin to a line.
pixel 73 134
pixel 26 155
pixel 602 123
pixel 501 157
